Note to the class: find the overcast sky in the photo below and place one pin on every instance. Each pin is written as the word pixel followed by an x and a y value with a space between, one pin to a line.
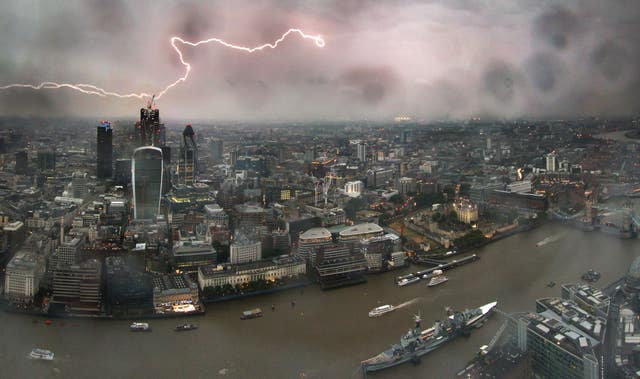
pixel 430 60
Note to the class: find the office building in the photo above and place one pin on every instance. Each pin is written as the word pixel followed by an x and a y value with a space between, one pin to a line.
pixel 76 288
pixel 362 152
pixel 22 162
pixel 22 276
pixel 79 185
pixel 244 250
pixel 147 172
pixel 353 189
pixel 217 150
pixel 551 162
pixel 189 255
pixel 104 151
pixel 123 172
pixel 128 291
pixel 46 160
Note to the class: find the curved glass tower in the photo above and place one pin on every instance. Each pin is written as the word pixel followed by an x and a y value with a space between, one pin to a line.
pixel 146 178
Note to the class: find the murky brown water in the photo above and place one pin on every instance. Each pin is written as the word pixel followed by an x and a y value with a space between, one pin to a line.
pixel 326 334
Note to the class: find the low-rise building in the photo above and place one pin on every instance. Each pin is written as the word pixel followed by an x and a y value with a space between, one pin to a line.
pixel 281 267
pixel 189 255
pixel 175 293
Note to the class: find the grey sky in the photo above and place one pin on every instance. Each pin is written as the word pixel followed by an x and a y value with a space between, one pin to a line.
pixel 430 59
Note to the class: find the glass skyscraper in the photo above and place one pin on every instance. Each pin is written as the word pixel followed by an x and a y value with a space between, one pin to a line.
pixel 147 172
pixel 104 150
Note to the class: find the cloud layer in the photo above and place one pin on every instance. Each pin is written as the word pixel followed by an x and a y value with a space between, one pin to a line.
pixel 437 59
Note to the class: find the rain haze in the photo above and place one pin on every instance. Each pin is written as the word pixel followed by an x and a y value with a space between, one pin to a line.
pixel 431 60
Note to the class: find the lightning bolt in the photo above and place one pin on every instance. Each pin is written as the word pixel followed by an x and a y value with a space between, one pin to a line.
pixel 91 89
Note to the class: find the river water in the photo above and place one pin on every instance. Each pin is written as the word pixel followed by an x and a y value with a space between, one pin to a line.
pixel 327 333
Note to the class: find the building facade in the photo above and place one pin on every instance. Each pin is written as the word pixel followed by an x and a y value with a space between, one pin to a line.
pixel 104 151
pixel 147 172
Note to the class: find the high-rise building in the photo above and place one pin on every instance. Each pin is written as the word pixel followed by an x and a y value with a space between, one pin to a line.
pixel 217 150
pixel 147 172
pixel 104 150
pixel 551 162
pixel 22 162
pixel 123 171
pixel 149 130
pixel 46 160
pixel 187 168
pixel 362 152
pixel 79 185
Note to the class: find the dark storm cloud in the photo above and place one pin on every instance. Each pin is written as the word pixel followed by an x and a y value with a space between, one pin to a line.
pixel 610 59
pixel 500 80
pixel 557 26
pixel 196 21
pixel 544 70
pixel 429 59
pixel 371 84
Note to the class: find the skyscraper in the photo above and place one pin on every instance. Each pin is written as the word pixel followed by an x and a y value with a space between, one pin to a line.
pixel 104 150
pixel 79 184
pixel 551 162
pixel 22 162
pixel 362 152
pixel 47 160
pixel 216 150
pixel 147 172
pixel 149 130
pixel 188 157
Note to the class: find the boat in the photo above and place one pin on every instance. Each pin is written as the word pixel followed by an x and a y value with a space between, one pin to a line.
pixel 252 313
pixel 551 284
pixel 437 279
pixel 544 242
pixel 416 342
pixel 591 276
pixel 379 311
pixel 42 354
pixel 186 326
pixel 405 281
pixel 140 327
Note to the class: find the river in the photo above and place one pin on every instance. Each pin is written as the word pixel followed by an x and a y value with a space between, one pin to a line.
pixel 327 333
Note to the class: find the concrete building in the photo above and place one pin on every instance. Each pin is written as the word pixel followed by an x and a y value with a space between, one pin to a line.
pixel 523 186
pixel 245 250
pixel 68 252
pixel 362 152
pixel 76 288
pixel 551 162
pixel 216 216
pixel 282 267
pixel 22 276
pixel 353 189
pixel 360 232
pixel 311 240
pixel 406 185
pixel 189 255
pixel 79 185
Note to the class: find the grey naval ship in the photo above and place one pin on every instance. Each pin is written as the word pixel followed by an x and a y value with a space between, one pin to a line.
pixel 416 342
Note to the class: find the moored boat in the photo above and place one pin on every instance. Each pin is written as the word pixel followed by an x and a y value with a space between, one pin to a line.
pixel 406 281
pixel 416 342
pixel 438 278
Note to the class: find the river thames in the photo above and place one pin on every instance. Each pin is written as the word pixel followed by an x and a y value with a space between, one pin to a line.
pixel 326 333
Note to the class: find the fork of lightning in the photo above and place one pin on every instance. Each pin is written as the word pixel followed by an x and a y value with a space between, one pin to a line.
pixel 91 89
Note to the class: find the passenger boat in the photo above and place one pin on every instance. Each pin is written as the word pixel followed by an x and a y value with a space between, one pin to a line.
pixel 379 311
